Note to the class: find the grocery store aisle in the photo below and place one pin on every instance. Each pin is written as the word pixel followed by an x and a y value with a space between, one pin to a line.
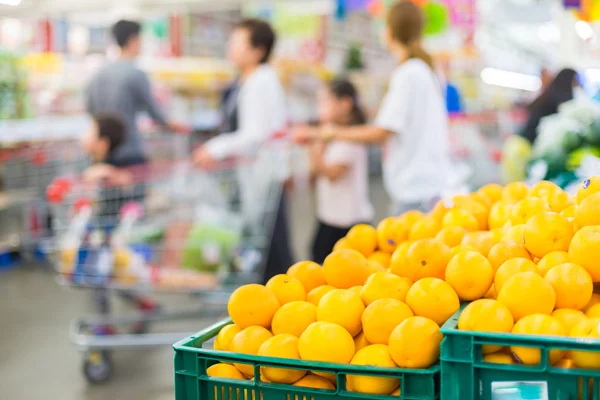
pixel 38 362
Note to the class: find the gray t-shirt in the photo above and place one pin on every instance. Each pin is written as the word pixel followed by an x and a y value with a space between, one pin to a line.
pixel 122 88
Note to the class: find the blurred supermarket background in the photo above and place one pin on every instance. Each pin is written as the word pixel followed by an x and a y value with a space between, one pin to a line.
pixel 492 57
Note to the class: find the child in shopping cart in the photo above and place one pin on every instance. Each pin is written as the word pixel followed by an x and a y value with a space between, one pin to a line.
pixel 340 170
pixel 101 142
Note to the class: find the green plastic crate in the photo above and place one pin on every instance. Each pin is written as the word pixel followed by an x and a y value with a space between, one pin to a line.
pixel 192 383
pixel 466 377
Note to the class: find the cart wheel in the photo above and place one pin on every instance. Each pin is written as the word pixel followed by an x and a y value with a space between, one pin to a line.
pixel 98 367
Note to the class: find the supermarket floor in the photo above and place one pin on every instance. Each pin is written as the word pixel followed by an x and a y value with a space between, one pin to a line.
pixel 38 362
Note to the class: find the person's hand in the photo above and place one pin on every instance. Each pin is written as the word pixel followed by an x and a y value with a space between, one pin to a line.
pixel 179 128
pixel 305 134
pixel 203 159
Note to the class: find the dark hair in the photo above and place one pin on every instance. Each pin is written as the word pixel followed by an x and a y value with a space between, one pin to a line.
pixel 343 89
pixel 112 128
pixel 405 22
pixel 262 36
pixel 124 30
pixel 557 92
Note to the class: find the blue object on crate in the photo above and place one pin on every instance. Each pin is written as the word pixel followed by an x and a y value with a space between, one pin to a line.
pixel 8 260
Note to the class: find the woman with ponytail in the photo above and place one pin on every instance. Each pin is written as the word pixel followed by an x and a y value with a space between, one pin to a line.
pixel 340 169
pixel 411 122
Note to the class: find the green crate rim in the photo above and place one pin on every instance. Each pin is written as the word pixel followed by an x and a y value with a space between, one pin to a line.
pixel 193 343
pixel 543 342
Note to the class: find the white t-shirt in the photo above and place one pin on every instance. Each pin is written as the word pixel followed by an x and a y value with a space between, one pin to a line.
pixel 345 202
pixel 416 159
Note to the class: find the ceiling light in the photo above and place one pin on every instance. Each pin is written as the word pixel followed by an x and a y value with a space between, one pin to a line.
pixel 509 79
pixel 10 2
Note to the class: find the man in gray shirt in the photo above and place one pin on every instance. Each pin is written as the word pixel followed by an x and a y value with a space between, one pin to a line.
pixel 121 88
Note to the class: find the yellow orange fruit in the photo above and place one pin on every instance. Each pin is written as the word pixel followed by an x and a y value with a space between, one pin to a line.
pixel 424 228
pixel 511 268
pixel 587 188
pixel 499 358
pixel 374 355
pixel 588 329
pixel 314 296
pixel 391 232
pixel 551 260
pixel 584 250
pixel 283 346
pixel 294 318
pixel 544 189
pixel 515 191
pixel 547 232
pixel 492 191
pixel 346 268
pixel 356 289
pixel 396 392
pixel 527 208
pixel 381 257
pixel 470 274
pixel 588 211
pixel 225 336
pixel 486 315
pixel 252 305
pixel 331 305
pixel 433 298
pixel 569 212
pixel 381 317
pixel 410 217
pixel 451 236
pixel 482 241
pixel 593 301
pixel 341 244
pixel 363 238
pixel 482 199
pixel 479 210
pixel 569 318
pixel 374 267
pixel 398 260
pixel 415 343
pixel 593 311
pixel 491 294
pixel 426 258
pixel 385 285
pixel 499 214
pixel 527 293
pixel 515 234
pixel 504 251
pixel 537 324
pixel 360 341
pixel 315 382
pixel 248 341
pixel 439 210
pixel 572 284
pixel 462 218
pixel 560 201
pixel 326 342
pixel 286 288
pixel 309 273
pixel 222 370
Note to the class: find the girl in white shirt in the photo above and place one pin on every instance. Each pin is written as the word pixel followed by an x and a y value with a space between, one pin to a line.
pixel 340 169
pixel 412 120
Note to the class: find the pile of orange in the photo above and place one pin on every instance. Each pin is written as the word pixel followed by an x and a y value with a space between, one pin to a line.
pixel 525 257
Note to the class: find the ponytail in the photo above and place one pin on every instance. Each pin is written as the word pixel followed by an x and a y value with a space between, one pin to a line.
pixel 416 51
pixel 357 115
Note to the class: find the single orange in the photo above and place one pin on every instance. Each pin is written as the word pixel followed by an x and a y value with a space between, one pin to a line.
pixel 527 208
pixel 512 267
pixel 470 274
pixel 515 191
pixel 527 293
pixel 346 268
pixel 547 232
pixel 462 218
pixel 587 188
pixel 424 228
pixel 481 240
pixel 537 324
pixel 499 214
pixel 544 189
pixel 551 260
pixel 451 236
pixel 584 250
pixel 398 260
pixel 383 285
pixel 492 191
pixel 504 251
pixel 362 238
pixel 572 284
pixel 309 273
pixel 433 298
pixel 390 233
pixel 426 258
pixel 588 211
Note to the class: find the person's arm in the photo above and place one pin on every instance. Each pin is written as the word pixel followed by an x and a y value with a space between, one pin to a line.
pixel 358 134
pixel 254 124
pixel 144 95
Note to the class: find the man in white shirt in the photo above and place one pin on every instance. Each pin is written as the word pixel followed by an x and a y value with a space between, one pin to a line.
pixel 254 112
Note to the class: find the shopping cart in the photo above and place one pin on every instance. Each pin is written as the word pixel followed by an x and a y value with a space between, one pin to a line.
pixel 476 141
pixel 29 169
pixel 172 228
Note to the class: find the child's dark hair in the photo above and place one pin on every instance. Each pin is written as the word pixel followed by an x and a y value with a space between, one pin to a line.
pixel 342 88
pixel 112 128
